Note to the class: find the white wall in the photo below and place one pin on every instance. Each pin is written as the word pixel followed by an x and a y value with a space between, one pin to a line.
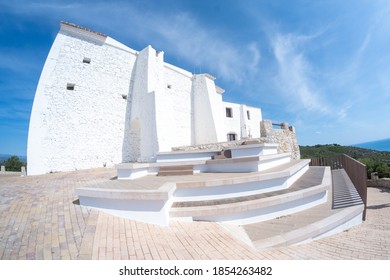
pixel 207 110
pixel 253 125
pixel 145 86
pixel 84 127
pixel 95 126
pixel 239 123
pixel 174 109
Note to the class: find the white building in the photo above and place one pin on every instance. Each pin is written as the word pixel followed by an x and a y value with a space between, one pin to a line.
pixel 99 102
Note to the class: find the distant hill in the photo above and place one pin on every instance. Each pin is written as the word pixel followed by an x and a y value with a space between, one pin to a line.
pixel 335 149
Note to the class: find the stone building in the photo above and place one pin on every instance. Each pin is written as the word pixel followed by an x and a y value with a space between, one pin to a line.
pixel 99 103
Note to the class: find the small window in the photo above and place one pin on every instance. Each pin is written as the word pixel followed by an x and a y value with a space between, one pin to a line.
pixel 248 114
pixel 232 136
pixel 70 86
pixel 229 113
pixel 87 60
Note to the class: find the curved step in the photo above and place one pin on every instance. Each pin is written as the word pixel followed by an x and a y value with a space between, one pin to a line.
pixel 301 227
pixel 309 190
pixel 247 163
pixel 311 224
pixel 229 186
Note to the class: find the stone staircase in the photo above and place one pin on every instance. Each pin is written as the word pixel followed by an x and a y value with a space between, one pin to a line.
pixel 272 200
pixel 262 197
pixel 311 224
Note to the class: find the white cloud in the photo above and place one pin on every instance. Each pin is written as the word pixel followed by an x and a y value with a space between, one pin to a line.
pixel 204 47
pixel 178 33
pixel 294 76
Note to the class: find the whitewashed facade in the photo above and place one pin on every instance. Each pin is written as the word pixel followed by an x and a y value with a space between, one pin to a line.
pixel 99 102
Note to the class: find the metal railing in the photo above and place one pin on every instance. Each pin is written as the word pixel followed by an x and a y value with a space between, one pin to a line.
pixel 335 162
pixel 356 171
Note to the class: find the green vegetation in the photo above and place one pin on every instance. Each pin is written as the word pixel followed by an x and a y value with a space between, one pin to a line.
pixel 376 161
pixel 375 165
pixel 13 164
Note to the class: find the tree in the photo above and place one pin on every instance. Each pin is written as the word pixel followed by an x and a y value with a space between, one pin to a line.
pixel 382 168
pixel 13 164
pixel 375 165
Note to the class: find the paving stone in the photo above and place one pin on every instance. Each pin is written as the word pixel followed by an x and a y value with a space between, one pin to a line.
pixel 39 220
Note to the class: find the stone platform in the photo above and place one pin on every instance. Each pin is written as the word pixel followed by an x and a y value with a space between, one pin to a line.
pixel 41 219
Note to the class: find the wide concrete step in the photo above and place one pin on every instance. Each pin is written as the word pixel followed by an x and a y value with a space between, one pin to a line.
pixel 310 189
pixel 233 185
pixel 304 226
pixel 281 171
pixel 247 163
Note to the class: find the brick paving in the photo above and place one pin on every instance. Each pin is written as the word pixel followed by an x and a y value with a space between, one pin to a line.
pixel 40 218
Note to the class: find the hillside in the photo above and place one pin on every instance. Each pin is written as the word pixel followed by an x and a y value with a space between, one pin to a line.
pixel 335 149
pixel 376 161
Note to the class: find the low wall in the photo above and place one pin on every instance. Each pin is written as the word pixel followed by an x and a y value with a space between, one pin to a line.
pixel 22 172
pixel 214 146
pixel 285 137
pixel 385 183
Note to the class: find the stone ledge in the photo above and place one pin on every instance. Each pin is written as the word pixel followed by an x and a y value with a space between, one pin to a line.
pixel 247 159
pixel 245 206
pixel 310 231
pixel 162 193
pixel 285 170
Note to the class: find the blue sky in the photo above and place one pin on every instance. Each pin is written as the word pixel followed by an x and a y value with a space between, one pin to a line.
pixel 322 66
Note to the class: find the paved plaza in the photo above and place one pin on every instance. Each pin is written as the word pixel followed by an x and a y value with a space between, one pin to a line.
pixel 40 218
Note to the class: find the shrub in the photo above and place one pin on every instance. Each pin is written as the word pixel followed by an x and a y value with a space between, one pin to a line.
pixel 13 164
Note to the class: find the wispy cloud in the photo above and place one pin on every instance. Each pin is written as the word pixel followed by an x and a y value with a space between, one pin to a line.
pixel 177 33
pixel 295 73
pixel 203 47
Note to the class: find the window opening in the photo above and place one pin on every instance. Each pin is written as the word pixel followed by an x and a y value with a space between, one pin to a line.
pixel 70 86
pixel 232 136
pixel 87 60
pixel 229 113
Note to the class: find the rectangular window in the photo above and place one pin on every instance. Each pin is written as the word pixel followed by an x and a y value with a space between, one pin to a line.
pixel 248 114
pixel 70 86
pixel 231 137
pixel 229 112
pixel 87 60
